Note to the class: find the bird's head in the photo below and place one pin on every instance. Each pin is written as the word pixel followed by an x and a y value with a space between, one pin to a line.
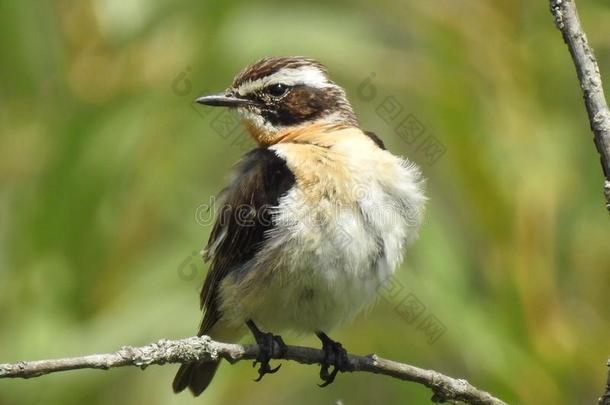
pixel 277 94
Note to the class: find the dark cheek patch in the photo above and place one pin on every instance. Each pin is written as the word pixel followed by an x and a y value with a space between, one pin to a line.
pixel 300 105
pixel 303 102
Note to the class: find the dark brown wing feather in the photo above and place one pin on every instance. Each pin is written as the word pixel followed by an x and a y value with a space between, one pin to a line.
pixel 241 227
pixel 375 139
pixel 243 221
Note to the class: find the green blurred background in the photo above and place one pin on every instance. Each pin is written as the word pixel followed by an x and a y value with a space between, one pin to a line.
pixel 104 162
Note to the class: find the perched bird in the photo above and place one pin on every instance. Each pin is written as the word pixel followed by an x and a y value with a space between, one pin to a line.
pixel 313 222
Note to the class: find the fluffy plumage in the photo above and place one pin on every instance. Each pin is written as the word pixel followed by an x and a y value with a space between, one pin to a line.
pixel 337 235
pixel 312 222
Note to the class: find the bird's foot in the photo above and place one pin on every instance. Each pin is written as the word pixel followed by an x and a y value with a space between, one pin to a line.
pixel 334 355
pixel 266 343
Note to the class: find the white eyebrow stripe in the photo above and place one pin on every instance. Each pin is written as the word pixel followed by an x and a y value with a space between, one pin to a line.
pixel 304 75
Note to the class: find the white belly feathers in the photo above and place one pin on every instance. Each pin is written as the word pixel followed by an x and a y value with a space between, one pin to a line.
pixel 339 233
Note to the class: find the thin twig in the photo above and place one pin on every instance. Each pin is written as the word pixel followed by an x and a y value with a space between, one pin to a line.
pixel 568 22
pixel 203 348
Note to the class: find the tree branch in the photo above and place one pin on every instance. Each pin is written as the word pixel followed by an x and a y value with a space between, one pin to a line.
pixel 203 348
pixel 568 22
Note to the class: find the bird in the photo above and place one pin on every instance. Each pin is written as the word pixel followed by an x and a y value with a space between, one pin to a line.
pixel 313 222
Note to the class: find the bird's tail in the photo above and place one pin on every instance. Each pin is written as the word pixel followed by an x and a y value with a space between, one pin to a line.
pixel 198 375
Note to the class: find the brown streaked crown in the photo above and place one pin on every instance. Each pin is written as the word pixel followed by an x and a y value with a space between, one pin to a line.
pixel 272 64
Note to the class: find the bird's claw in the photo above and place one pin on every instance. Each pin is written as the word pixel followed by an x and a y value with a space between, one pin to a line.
pixel 334 355
pixel 266 343
pixel 265 369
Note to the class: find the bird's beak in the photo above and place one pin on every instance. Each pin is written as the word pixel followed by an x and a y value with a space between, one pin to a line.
pixel 222 100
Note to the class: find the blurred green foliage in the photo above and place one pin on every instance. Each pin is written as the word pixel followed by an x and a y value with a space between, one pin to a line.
pixel 104 161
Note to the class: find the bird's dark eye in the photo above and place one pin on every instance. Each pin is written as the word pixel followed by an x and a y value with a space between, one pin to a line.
pixel 277 90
